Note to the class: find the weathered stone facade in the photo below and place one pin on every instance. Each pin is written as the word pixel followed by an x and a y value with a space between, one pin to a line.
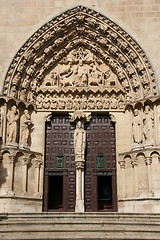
pixel 82 63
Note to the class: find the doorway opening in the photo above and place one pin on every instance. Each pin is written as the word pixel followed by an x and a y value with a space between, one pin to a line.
pixel 55 192
pixel 104 192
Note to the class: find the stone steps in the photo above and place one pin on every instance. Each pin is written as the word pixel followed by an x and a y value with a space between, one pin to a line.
pixel 79 226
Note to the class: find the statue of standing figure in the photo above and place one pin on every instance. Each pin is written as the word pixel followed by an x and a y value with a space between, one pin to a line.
pixel 25 123
pixel 148 125
pixel 137 127
pixel 79 142
pixel 12 118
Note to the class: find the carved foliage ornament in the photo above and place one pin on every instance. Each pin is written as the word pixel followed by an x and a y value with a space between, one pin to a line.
pixel 91 53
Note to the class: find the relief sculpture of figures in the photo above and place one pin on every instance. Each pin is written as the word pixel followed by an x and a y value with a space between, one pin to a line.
pixel 12 118
pixel 136 127
pixel 148 122
pixel 25 123
pixel 79 142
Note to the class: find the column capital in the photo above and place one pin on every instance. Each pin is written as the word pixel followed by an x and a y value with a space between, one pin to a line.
pixel 148 160
pixel 134 162
pixel 80 165
pixel 38 163
pixel 122 164
pixel 26 160
pixel 12 158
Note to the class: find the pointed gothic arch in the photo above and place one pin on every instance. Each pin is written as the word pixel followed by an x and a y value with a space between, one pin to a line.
pixel 80 64
pixel 80 33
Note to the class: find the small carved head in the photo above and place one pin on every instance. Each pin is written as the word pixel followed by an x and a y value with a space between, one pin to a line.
pixel 14 109
pixel 135 112
pixel 79 124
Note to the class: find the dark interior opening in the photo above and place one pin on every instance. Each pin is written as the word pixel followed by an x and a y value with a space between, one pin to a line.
pixel 55 197
pixel 104 192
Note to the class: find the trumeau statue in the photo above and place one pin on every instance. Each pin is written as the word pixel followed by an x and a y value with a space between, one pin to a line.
pixel 148 127
pixel 12 118
pixel 25 123
pixel 79 142
pixel 137 127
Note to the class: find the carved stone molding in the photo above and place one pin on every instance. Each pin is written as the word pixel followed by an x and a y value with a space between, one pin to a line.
pixel 91 55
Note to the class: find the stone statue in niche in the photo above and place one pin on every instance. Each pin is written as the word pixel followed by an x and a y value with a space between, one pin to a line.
pixel 137 127
pixel 12 118
pixel 79 142
pixel 25 124
pixel 148 125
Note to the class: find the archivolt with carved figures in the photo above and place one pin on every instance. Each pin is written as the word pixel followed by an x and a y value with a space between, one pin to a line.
pixel 80 53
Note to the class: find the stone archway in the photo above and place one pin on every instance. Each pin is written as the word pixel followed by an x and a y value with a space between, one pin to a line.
pixel 81 62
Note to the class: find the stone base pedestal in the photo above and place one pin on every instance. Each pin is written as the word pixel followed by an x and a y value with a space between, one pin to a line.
pixel 12 144
pixel 24 146
pixel 79 206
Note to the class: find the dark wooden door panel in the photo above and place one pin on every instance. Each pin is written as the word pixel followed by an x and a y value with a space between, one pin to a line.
pixel 100 163
pixel 59 142
pixel 100 133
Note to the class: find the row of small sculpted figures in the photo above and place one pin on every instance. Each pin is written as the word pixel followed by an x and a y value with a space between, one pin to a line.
pixel 80 103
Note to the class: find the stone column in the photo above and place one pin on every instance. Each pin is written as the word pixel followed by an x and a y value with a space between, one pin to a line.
pixel 4 124
pixel 12 160
pixel 123 167
pixel 156 125
pixel 148 161
pixel 79 150
pixel 80 117
pixel 79 187
pixel 38 164
pixel 26 160
pixel 134 163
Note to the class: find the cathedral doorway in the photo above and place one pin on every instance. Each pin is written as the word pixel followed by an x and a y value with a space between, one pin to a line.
pixel 100 191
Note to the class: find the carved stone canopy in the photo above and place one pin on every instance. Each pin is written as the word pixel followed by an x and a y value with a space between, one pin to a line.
pixel 80 60
pixel 79 115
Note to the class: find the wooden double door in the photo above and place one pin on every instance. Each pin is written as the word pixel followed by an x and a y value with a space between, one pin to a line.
pixel 100 186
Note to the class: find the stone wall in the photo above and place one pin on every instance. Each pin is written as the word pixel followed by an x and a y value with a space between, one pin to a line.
pixel 19 19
